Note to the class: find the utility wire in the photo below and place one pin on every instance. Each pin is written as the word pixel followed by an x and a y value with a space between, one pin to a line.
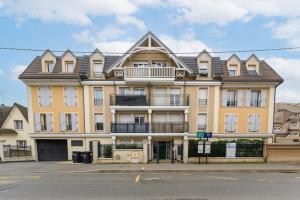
pixel 217 52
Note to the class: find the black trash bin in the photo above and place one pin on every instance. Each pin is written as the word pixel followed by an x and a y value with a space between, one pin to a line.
pixel 76 157
pixel 87 157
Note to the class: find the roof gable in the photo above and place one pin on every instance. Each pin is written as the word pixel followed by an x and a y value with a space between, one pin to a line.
pixel 149 42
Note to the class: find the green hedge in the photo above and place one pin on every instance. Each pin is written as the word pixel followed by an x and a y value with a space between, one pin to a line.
pixel 244 148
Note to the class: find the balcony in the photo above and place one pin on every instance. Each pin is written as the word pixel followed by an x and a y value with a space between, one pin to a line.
pixel 157 127
pixel 130 127
pixel 153 73
pixel 172 100
pixel 128 100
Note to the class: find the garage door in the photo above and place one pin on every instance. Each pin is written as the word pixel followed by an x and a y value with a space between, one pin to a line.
pixel 52 150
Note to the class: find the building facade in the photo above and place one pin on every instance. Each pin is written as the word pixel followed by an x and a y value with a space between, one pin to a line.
pixel 148 98
pixel 14 129
pixel 287 119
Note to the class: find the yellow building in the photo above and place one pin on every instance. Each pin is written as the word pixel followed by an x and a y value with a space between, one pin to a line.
pixel 148 100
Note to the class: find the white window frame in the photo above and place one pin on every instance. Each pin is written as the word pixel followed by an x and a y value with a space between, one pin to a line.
pixel 139 91
pixel 199 126
pixel 233 69
pixel 232 100
pixel 158 63
pixel 98 66
pixel 67 63
pixel 140 64
pixel 255 100
pixel 258 128
pixel 98 102
pixel 95 122
pixel 202 101
pixel 236 125
pixel 49 69
pixel 16 126
pixel 127 89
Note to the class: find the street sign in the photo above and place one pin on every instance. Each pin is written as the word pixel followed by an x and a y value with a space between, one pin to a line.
pixel 200 147
pixel 209 135
pixel 200 134
pixel 207 147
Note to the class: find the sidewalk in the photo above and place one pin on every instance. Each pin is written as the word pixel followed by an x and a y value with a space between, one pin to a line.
pixel 69 167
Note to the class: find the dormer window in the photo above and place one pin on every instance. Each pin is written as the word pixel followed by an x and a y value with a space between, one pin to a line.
pixel 232 70
pixel 203 68
pixel 98 67
pixel 252 70
pixel 49 66
pixel 70 66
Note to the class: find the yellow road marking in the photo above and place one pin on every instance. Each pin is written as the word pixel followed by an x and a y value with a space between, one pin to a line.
pixel 224 178
pixel 137 179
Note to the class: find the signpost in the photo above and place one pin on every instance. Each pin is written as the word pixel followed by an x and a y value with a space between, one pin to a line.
pixel 204 146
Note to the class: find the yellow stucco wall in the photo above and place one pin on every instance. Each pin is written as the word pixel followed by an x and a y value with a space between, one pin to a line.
pixel 243 115
pixel 58 106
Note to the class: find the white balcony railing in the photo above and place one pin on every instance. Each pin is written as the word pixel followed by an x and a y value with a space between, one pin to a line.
pixel 149 72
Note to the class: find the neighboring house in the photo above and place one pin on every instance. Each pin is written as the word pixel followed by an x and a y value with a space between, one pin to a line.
pixel 147 98
pixel 14 127
pixel 287 119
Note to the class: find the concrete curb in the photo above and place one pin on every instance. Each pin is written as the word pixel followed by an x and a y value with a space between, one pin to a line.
pixel 166 171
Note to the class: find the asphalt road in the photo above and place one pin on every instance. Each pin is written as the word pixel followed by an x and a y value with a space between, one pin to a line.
pixel 167 186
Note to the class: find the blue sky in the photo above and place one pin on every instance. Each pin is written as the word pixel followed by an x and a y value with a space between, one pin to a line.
pixel 184 26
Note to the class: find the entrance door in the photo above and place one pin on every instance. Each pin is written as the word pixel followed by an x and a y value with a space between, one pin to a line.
pixel 162 151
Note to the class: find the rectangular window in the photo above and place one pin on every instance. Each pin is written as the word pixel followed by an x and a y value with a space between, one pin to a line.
pixel 18 124
pixel 175 96
pixel 98 66
pixel 202 118
pixel 139 91
pixel 232 70
pixel 45 96
pixel 22 143
pixel 158 64
pixel 70 94
pixel 68 122
pixel 43 121
pixel 98 122
pixel 98 96
pixel 70 67
pixel 231 98
pixel 230 123
pixel 141 64
pixel 202 97
pixel 49 66
pixel 76 143
pixel 203 68
pixel 139 119
pixel 254 123
pixel 255 100
pixel 124 90
pixel 251 70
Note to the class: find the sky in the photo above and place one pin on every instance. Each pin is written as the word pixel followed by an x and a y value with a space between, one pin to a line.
pixel 184 26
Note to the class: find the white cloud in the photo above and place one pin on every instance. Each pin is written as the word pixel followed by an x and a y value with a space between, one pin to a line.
pixel 186 43
pixel 116 46
pixel 1 72
pixel 289 31
pixel 74 12
pixel 222 12
pixel 289 70
pixel 131 20
pixel 16 71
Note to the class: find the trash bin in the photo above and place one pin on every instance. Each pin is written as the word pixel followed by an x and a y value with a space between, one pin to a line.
pixel 76 157
pixel 87 157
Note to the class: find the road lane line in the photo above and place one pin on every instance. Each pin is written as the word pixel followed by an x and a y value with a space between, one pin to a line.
pixel 137 179
pixel 221 177
pixel 151 179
